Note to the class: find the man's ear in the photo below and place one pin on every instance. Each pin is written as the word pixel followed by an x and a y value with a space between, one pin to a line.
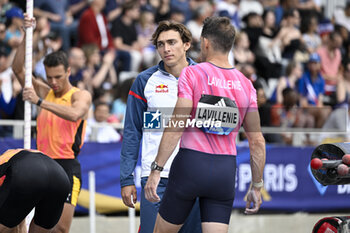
pixel 206 42
pixel 68 71
pixel 187 46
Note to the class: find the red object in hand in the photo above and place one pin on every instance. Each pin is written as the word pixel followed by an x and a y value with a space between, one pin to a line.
pixel 316 163
pixel 342 170
pixel 346 159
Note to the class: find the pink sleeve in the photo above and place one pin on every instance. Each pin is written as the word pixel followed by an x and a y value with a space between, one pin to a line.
pixel 186 84
pixel 253 104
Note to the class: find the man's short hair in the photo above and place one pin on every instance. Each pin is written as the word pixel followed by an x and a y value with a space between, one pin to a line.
pixel 167 25
pixel 129 5
pixel 220 32
pixel 55 59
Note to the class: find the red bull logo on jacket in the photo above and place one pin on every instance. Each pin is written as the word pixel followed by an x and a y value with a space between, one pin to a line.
pixel 162 88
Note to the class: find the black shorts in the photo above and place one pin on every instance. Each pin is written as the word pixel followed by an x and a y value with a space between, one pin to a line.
pixel 33 180
pixel 73 170
pixel 209 177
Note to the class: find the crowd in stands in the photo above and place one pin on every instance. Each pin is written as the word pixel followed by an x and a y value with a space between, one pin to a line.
pixel 297 58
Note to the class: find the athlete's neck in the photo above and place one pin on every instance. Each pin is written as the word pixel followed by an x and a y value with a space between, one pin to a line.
pixel 176 70
pixel 219 60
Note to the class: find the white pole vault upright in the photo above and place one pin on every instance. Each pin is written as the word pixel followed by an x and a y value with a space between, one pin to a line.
pixel 28 83
pixel 28 77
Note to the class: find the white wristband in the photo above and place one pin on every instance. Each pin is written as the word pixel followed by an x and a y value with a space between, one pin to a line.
pixel 258 185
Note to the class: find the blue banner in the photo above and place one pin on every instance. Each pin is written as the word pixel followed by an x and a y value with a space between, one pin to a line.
pixel 288 182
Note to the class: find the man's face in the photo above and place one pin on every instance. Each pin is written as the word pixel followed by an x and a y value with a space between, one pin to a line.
pixel 101 113
pixel 171 48
pixel 337 42
pixel 135 13
pixel 57 78
pixel 290 100
pixel 314 67
pixel 77 58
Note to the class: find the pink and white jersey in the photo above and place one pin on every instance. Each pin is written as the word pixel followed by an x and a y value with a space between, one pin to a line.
pixel 220 94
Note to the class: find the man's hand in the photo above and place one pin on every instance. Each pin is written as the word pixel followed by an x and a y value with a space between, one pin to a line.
pixel 151 187
pixel 129 195
pixel 30 95
pixel 253 197
pixel 29 22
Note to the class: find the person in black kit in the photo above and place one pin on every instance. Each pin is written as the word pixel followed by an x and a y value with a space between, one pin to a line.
pixel 29 179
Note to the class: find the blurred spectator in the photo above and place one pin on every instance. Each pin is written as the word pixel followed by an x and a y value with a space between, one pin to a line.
pixel 119 105
pixel 162 10
pixel 145 28
pixel 104 133
pixel 248 70
pixel 5 5
pixel 343 87
pixel 325 28
pixel 241 51
pixel 100 74
pixel 254 25
pixel 195 26
pixel 5 74
pixel 269 24
pixel 76 8
pixel 310 36
pixel 250 6
pixel 177 15
pixel 263 105
pixel 93 27
pixel 183 6
pixel 288 115
pixel 341 16
pixel 9 89
pixel 311 88
pixel 113 9
pixel 229 9
pixel 284 6
pixel 344 33
pixel 125 37
pixel 346 56
pixel 268 54
pixel 307 7
pixel 330 63
pixel 289 37
pixel 61 21
pixel 53 42
pixel 40 37
pixel 77 61
pixel 264 108
pixel 14 22
pixel 294 72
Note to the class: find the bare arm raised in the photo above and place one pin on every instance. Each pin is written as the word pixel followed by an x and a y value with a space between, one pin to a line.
pixel 18 63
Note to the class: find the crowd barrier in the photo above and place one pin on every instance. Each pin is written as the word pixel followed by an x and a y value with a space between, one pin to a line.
pixel 289 184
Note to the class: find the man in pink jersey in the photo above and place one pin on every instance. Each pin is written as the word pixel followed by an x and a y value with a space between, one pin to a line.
pixel 214 100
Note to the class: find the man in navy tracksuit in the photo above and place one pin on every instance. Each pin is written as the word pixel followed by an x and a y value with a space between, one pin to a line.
pixel 153 94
